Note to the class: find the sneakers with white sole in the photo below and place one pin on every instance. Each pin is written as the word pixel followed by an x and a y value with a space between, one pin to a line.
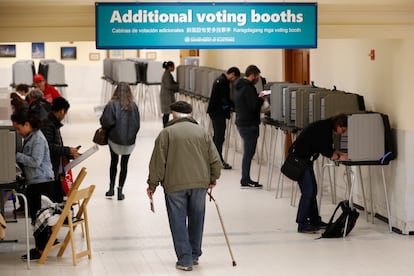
pixel 183 267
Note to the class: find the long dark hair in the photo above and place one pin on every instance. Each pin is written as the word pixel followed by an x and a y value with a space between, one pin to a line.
pixel 167 64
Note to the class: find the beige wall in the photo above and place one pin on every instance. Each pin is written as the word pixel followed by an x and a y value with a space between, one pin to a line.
pixel 385 82
pixel 269 61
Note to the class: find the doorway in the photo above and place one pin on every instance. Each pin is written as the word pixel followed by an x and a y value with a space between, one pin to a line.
pixel 297 66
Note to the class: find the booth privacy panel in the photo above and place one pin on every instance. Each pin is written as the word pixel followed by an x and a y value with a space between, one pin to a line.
pixel 366 137
pixel 7 156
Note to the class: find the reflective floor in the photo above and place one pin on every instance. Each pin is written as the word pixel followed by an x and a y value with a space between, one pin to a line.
pixel 128 239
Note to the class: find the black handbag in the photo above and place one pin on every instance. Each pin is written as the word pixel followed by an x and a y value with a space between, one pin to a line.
pixel 101 137
pixel 294 167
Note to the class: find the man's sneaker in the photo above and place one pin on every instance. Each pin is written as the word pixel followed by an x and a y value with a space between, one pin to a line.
pixel 183 267
pixel 34 255
pixel 195 262
pixel 251 184
pixel 226 166
pixel 308 229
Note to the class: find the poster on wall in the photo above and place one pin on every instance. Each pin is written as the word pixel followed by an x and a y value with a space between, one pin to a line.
pixel 67 53
pixel 202 25
pixel 38 50
pixel 7 50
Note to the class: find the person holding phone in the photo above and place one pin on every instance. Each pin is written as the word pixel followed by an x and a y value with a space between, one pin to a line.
pixel 59 153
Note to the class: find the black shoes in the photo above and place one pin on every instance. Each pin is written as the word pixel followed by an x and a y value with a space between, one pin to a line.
pixel 111 192
pixel 121 196
pixel 311 228
pixel 34 255
pixel 226 166
pixel 308 229
pixel 250 184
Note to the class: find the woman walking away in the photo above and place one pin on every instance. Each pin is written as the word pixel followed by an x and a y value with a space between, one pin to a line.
pixel 168 89
pixel 122 121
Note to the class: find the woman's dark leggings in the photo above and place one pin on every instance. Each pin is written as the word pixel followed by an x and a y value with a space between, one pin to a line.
pixel 165 119
pixel 113 168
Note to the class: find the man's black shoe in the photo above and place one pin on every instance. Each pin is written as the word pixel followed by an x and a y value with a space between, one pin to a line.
pixel 226 166
pixel 308 229
pixel 251 184
pixel 34 255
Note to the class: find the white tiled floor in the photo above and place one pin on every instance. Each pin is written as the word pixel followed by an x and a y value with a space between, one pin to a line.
pixel 127 239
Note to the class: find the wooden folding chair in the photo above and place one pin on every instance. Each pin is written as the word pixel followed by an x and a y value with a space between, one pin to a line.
pixel 67 220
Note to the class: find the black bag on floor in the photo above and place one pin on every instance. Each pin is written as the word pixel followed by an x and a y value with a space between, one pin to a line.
pixel 294 166
pixel 335 229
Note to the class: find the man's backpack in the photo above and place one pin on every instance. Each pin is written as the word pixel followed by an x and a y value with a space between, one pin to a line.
pixel 335 229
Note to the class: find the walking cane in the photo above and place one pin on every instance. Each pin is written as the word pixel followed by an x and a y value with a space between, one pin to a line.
pixel 222 226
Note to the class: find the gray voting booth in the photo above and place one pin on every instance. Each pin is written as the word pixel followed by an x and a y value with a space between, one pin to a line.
pixel 53 71
pixel 8 152
pixel 298 105
pixel 277 100
pixel 23 72
pixel 133 70
pixel 368 138
pixel 290 101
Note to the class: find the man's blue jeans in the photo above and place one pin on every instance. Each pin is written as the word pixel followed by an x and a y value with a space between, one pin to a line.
pixel 249 136
pixel 186 210
pixel 308 207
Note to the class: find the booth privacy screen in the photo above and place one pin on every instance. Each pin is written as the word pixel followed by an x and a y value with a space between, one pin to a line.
pixel 205 25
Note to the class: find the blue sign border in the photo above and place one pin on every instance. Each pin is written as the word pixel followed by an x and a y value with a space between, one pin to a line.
pixel 232 31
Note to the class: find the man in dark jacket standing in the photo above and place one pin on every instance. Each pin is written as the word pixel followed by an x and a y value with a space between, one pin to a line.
pixel 248 103
pixel 186 163
pixel 219 108
pixel 59 154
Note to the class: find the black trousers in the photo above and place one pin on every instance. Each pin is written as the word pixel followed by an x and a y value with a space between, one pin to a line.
pixel 41 238
pixel 34 194
pixel 219 128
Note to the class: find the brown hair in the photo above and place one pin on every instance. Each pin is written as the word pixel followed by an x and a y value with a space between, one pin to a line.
pixel 340 120
pixel 252 70
pixel 124 95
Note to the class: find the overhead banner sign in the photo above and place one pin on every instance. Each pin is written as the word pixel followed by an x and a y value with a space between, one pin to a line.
pixel 205 25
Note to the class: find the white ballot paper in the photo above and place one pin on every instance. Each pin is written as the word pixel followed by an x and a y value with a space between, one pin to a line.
pixel 81 158
pixel 267 92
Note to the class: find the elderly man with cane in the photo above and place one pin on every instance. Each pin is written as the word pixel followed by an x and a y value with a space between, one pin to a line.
pixel 186 163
